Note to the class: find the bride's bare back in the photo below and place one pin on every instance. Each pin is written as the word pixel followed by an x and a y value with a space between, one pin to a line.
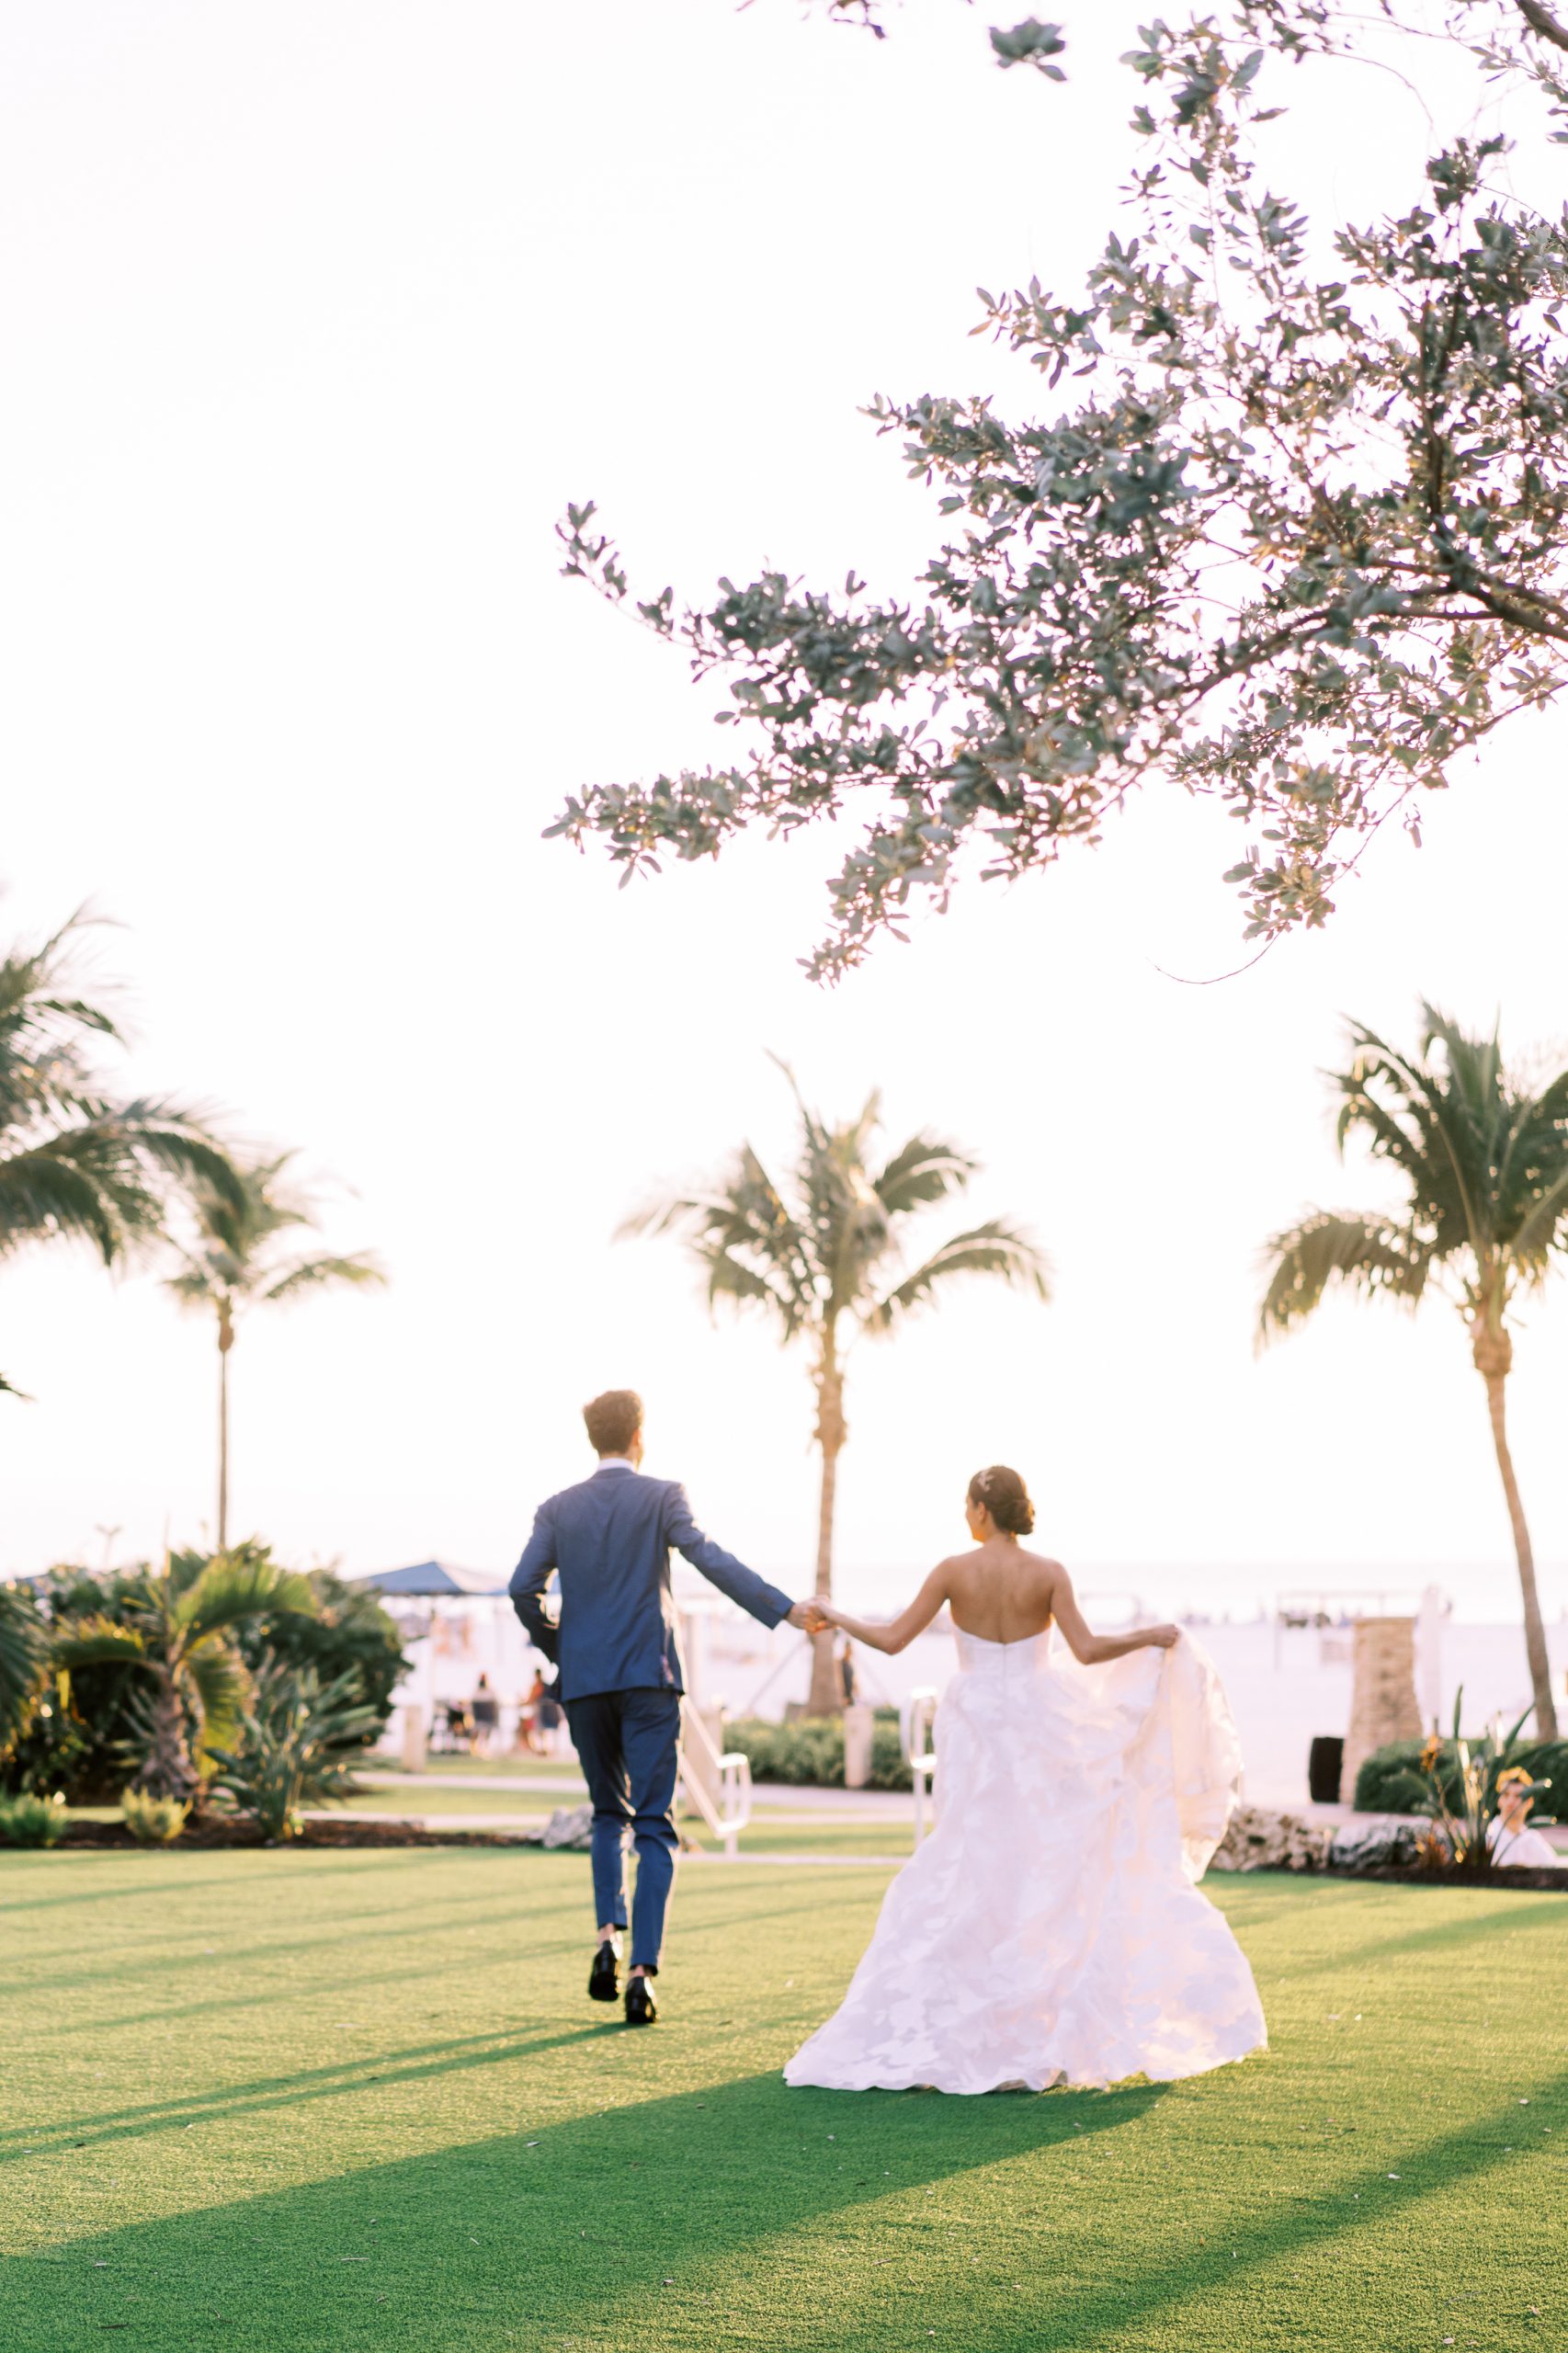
pixel 1000 1592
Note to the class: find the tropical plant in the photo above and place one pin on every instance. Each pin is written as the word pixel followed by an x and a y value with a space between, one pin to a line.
pixel 232 1264
pixel 822 1257
pixel 1482 1157
pixel 348 1632
pixel 174 1633
pixel 23 1646
pixel 296 1748
pixel 1292 541
pixel 1397 1777
pixel 1462 1805
pixel 77 1162
pixel 85 1728
pixel 152 1821
pixel 29 1820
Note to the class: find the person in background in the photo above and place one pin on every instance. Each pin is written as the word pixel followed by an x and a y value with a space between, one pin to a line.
pixel 848 1679
pixel 486 1715
pixel 1510 1841
pixel 528 1741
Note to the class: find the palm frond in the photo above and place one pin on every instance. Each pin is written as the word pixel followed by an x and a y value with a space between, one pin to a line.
pixel 217 1676
pixel 46 1194
pixel 993 1248
pixel 1361 1253
pixel 23 1650
pixel 98 1642
pixel 745 1221
pixel 236 1585
pixel 928 1169
pixel 321 1274
pixel 101 1172
pixel 729 1278
pixel 1534 1238
pixel 178 1142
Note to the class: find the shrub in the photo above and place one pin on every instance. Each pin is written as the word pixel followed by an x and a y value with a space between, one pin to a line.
pixel 53 1750
pixel 1391 1781
pixel 22 1647
pixel 295 1748
pixel 152 1821
pixel 810 1752
pixel 349 1635
pixel 89 1733
pixel 31 1822
pixel 90 1729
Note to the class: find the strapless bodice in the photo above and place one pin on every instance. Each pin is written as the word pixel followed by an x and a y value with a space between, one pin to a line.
pixel 1003 1661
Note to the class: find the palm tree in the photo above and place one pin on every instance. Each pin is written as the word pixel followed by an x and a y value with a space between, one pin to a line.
pixel 177 1632
pixel 1484 1161
pixel 231 1266
pixel 822 1257
pixel 76 1163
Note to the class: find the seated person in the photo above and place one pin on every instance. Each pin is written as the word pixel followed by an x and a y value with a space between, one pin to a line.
pixel 1511 1843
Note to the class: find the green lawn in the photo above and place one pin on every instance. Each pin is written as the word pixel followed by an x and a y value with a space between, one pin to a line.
pixel 414 1798
pixel 783 1830
pixel 295 2102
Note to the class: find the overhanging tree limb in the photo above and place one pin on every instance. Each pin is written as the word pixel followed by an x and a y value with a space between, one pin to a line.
pixel 1296 541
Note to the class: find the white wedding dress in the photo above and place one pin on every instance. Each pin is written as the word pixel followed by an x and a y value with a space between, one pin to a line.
pixel 1049 1930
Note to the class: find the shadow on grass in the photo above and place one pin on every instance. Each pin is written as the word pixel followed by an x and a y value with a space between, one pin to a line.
pixel 1438 1936
pixel 634 2226
pixel 416 2062
pixel 535 2234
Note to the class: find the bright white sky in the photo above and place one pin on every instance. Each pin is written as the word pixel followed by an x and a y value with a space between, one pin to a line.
pixel 316 319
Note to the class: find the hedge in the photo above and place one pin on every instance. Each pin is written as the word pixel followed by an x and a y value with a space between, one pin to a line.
pixel 810 1752
pixel 1391 1781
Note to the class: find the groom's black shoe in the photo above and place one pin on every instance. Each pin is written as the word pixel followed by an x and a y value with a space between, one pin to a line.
pixel 604 1978
pixel 640 2008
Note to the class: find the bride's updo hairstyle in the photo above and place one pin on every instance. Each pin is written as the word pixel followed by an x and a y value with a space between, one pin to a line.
pixel 1006 1497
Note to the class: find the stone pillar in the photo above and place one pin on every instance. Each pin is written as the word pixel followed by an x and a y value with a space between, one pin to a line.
pixel 414 1739
pixel 858 1721
pixel 1383 1693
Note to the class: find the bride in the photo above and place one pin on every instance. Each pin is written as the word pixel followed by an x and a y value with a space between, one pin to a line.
pixel 1049 1930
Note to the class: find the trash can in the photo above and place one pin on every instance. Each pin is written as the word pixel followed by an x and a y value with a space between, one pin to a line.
pixel 1326 1762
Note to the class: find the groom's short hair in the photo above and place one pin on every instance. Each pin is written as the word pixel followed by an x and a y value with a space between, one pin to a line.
pixel 613 1420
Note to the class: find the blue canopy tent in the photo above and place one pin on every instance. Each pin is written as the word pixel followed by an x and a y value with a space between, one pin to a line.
pixel 454 1623
pixel 436 1579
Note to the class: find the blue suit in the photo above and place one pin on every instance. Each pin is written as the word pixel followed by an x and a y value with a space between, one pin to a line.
pixel 618 1649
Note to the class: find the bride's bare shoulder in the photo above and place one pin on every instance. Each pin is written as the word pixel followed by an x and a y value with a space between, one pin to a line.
pixel 1052 1569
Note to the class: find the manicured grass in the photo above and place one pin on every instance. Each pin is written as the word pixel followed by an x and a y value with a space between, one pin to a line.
pixel 414 1798
pixel 810 1833
pixel 315 2103
pixel 773 1830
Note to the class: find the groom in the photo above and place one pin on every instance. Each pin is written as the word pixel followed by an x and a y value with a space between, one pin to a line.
pixel 620 1669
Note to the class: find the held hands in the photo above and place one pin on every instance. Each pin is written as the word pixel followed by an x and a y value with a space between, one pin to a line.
pixel 810 1617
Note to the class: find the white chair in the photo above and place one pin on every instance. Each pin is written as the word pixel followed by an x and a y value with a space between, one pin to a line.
pixel 916 1731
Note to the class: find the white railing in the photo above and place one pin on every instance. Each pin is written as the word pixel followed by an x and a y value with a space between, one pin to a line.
pixel 716 1783
pixel 917 1726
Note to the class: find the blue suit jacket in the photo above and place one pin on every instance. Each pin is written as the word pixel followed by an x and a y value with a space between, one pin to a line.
pixel 610 1538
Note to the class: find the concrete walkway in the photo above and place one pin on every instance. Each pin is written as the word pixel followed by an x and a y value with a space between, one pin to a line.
pixel 838 1805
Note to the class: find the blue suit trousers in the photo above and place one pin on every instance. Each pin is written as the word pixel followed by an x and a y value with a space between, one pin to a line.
pixel 628 1743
